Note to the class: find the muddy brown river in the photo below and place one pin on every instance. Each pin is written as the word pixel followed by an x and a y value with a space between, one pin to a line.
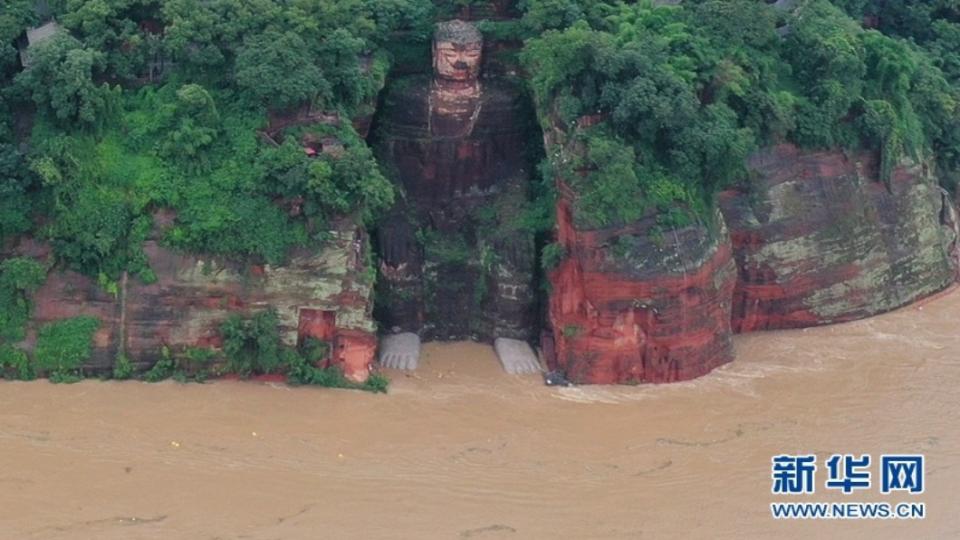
pixel 462 450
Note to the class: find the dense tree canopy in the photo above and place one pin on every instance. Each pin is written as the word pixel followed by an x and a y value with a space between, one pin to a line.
pixel 60 79
pixel 272 67
pixel 143 105
pixel 136 106
pixel 688 91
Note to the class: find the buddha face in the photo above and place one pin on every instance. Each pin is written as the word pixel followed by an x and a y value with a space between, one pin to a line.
pixel 459 62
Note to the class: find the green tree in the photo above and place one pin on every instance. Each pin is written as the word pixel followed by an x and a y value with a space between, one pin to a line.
pixel 15 18
pixel 278 69
pixel 196 124
pixel 112 27
pixel 15 202
pixel 61 80
pixel 203 36
pixel 541 15
pixel 339 55
pixel 91 234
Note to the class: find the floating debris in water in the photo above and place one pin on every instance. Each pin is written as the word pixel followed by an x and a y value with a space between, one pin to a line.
pixel 555 378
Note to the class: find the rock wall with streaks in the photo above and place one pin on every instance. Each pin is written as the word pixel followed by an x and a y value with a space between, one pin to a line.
pixel 815 238
pixel 626 308
pixel 819 239
pixel 326 294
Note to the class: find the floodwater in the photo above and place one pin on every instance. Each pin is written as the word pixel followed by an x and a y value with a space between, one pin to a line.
pixel 461 450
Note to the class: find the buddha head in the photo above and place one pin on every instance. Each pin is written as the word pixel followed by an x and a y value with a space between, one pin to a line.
pixel 457 47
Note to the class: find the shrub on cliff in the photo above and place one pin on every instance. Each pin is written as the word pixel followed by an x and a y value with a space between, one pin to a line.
pixel 304 372
pixel 20 277
pixel 15 364
pixel 252 345
pixel 192 364
pixel 63 346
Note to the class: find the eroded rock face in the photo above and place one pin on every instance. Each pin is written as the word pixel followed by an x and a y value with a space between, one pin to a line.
pixel 819 239
pixel 626 308
pixel 325 295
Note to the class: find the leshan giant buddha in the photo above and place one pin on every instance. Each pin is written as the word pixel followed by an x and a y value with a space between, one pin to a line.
pixel 455 261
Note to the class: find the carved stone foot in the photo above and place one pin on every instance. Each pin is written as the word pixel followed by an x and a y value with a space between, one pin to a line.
pixel 516 356
pixel 400 351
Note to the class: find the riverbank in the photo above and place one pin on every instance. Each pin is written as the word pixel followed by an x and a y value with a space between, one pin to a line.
pixel 460 450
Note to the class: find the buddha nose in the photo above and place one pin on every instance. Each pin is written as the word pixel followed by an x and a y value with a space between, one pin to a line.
pixel 460 64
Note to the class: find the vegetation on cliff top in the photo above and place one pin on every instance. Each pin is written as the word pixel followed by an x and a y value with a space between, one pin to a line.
pixel 149 104
pixel 934 26
pixel 680 95
pixel 133 110
pixel 143 105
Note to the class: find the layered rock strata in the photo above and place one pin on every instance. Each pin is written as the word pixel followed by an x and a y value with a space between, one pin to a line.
pixel 324 294
pixel 819 239
pixel 626 308
pixel 816 238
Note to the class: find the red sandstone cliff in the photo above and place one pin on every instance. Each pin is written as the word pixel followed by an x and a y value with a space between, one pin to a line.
pixel 625 309
pixel 819 239
pixel 631 303
pixel 321 294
